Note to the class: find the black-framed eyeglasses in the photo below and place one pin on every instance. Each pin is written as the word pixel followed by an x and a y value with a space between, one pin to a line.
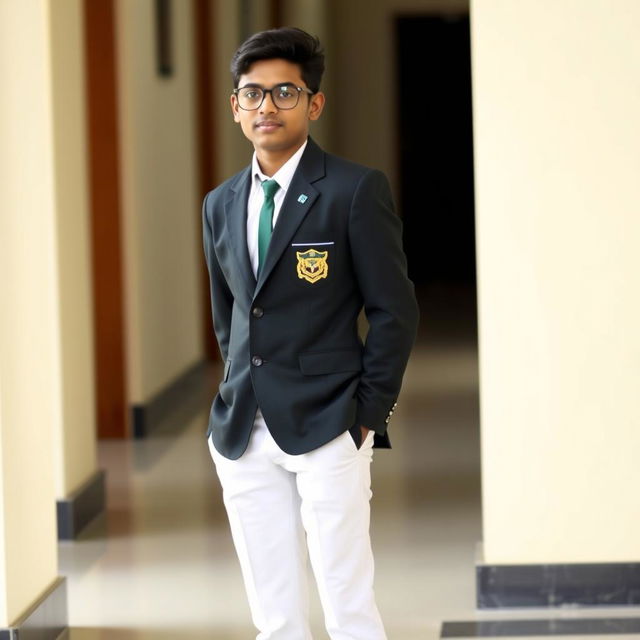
pixel 284 96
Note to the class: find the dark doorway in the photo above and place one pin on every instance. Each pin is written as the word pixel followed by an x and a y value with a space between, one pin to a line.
pixel 436 163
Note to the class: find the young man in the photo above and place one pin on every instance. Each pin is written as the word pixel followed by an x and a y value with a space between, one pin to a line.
pixel 297 245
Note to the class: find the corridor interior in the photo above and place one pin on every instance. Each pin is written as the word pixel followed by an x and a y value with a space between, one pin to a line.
pixel 159 564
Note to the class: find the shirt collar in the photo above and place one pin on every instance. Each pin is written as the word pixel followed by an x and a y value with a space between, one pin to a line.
pixel 284 174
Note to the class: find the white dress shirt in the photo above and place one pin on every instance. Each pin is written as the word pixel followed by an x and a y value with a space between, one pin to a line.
pixel 283 177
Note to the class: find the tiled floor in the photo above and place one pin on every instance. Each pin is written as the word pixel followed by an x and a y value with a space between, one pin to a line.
pixel 161 565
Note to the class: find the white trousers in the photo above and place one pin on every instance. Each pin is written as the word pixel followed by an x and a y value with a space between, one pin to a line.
pixel 283 509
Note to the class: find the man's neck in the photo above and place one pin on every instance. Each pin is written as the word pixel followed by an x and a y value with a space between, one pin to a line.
pixel 272 161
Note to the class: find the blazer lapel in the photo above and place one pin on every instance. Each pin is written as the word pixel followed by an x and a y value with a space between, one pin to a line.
pixel 298 201
pixel 236 212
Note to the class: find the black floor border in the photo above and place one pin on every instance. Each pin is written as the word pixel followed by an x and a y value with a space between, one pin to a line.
pixel 540 627
pixel 46 620
pixel 83 506
pixel 557 585
pixel 180 399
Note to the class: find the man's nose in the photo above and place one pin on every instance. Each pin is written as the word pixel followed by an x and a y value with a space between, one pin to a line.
pixel 271 106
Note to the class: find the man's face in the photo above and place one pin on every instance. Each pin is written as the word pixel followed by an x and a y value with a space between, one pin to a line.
pixel 269 128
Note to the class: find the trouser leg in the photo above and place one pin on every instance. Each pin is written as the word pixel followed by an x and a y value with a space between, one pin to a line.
pixel 334 483
pixel 263 507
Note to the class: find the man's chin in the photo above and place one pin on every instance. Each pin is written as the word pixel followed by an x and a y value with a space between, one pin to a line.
pixel 271 145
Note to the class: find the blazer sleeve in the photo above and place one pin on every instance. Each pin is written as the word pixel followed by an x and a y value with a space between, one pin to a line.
pixel 390 305
pixel 221 295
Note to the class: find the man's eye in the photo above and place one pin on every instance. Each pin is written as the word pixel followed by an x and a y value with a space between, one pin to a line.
pixel 286 93
pixel 252 95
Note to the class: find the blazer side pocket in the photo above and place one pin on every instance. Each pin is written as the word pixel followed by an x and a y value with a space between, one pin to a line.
pixel 227 366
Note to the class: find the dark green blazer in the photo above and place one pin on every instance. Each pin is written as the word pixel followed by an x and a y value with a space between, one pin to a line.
pixel 290 341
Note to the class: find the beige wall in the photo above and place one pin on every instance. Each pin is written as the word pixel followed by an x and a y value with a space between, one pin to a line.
pixel 75 437
pixel 363 115
pixel 313 17
pixel 29 322
pixel 234 150
pixel 161 202
pixel 557 134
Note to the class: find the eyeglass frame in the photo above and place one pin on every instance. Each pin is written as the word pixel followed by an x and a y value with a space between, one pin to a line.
pixel 269 91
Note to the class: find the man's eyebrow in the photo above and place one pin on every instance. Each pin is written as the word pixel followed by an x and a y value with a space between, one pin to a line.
pixel 255 85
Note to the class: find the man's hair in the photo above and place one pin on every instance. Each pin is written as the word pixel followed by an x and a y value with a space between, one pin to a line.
pixel 287 43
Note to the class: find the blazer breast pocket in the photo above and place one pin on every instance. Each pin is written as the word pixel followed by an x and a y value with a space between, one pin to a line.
pixel 313 260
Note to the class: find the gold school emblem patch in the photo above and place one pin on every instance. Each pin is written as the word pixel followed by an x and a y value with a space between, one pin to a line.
pixel 312 265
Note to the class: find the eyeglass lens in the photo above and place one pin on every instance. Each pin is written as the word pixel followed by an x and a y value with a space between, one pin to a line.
pixel 284 96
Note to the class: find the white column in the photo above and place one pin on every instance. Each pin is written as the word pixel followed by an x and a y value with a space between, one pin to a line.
pixel 557 138
pixel 47 407
pixel 30 390
pixel 75 434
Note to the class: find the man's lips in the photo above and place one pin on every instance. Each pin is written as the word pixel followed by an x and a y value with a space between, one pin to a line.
pixel 267 125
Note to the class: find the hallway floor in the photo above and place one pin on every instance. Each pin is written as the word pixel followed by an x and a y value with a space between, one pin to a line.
pixel 160 564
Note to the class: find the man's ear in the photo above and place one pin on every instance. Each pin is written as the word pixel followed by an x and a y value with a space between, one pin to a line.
pixel 235 107
pixel 316 104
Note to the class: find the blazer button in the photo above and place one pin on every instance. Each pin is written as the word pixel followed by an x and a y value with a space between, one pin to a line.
pixel 257 312
pixel 256 361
